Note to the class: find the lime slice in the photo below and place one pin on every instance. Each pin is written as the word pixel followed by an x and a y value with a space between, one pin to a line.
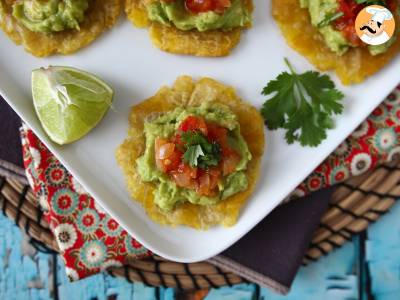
pixel 69 102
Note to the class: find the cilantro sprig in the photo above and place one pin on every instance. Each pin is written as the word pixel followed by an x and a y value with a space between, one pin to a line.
pixel 302 104
pixel 371 2
pixel 330 18
pixel 199 151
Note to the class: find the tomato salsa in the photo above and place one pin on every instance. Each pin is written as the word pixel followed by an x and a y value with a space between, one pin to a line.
pixel 199 6
pixel 195 139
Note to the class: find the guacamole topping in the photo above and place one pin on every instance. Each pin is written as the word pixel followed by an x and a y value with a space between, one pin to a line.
pixel 195 155
pixel 51 15
pixel 176 13
pixel 339 34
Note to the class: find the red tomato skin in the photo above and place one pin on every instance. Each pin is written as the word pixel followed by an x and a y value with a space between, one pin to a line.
pixel 218 134
pixel 200 6
pixel 203 181
pixel 193 123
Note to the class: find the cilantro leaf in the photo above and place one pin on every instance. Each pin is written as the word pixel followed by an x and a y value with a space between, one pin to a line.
pixel 211 158
pixel 330 18
pixel 303 104
pixel 372 2
pixel 199 151
pixel 192 155
pixel 191 138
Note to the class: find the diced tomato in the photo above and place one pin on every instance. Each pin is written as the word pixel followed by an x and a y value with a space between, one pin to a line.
pixel 165 151
pixel 204 187
pixel 181 179
pixel 215 175
pixel 169 153
pixel 208 182
pixel 193 123
pixel 168 157
pixel 159 142
pixel 184 168
pixel 177 140
pixel 199 6
pixel 345 24
pixel 218 134
pixel 229 163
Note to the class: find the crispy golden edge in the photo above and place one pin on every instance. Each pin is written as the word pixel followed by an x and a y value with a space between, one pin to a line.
pixel 170 39
pixel 352 67
pixel 100 16
pixel 186 92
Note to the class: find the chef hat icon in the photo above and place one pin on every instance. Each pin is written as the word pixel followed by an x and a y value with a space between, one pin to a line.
pixel 379 14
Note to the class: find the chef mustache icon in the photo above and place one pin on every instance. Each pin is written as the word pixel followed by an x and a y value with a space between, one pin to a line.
pixel 373 32
pixel 368 28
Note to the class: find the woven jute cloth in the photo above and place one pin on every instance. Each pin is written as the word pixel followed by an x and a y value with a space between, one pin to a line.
pixel 354 205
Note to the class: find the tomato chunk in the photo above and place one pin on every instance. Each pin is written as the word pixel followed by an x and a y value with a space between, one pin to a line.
pixel 193 123
pixel 229 163
pixel 199 6
pixel 169 157
pixel 218 134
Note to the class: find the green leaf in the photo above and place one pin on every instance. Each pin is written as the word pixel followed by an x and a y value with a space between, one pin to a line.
pixel 371 2
pixel 303 104
pixel 194 138
pixel 330 18
pixel 192 154
pixel 199 151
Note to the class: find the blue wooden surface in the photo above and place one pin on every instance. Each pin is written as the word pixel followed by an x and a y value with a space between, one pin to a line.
pixel 367 267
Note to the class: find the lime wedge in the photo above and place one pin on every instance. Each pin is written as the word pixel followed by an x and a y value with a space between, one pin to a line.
pixel 69 102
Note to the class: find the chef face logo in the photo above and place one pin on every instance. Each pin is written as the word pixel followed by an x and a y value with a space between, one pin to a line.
pixel 375 25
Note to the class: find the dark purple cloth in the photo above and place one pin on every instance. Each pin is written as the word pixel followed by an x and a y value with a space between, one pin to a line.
pixel 10 144
pixel 275 248
pixel 270 254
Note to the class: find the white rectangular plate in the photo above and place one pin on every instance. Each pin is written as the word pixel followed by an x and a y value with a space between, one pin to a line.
pixel 125 58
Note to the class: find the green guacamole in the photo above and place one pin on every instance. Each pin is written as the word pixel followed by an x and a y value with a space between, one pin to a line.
pixel 237 15
pixel 321 9
pixel 168 194
pixel 51 15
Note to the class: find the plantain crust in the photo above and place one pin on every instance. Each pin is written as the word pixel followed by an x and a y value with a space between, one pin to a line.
pixel 170 39
pixel 352 67
pixel 186 93
pixel 100 16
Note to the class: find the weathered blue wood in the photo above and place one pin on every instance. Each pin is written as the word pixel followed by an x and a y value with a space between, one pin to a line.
pixel 237 292
pixel 21 276
pixel 383 256
pixel 332 277
pixel 24 274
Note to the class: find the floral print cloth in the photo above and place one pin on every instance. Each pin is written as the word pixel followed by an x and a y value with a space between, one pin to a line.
pixel 375 141
pixel 90 241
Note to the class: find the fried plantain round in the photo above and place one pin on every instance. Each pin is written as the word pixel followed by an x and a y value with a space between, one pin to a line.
pixel 170 39
pixel 352 67
pixel 99 17
pixel 187 92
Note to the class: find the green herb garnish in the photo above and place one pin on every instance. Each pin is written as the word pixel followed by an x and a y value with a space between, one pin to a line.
pixel 371 2
pixel 199 151
pixel 330 18
pixel 303 104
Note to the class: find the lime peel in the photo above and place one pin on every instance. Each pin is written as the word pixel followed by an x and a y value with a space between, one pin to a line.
pixel 69 102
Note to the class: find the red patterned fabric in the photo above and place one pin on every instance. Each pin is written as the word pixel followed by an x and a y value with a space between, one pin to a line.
pixel 374 142
pixel 91 241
